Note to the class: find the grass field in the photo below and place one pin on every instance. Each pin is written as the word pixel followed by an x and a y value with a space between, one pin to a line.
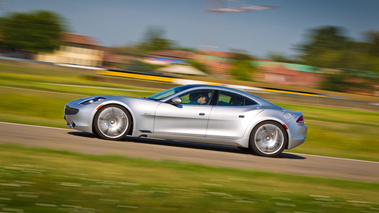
pixel 38 180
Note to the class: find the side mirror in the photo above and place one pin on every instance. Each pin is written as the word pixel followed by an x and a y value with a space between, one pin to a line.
pixel 175 101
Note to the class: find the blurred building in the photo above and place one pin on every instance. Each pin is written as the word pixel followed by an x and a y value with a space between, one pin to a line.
pixel 75 49
pixel 114 59
pixel 217 63
pixel 288 74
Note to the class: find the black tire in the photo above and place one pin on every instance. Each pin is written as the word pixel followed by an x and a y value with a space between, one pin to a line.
pixel 268 139
pixel 112 122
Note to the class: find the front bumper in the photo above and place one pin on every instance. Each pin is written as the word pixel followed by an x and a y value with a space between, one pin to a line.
pixel 78 116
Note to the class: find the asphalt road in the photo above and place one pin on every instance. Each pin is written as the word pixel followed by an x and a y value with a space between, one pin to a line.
pixel 67 139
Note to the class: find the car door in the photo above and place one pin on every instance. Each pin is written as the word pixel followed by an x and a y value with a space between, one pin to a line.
pixel 188 119
pixel 231 116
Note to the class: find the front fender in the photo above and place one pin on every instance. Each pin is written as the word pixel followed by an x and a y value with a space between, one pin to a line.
pixel 141 110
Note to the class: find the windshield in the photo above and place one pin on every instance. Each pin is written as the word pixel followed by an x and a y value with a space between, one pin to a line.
pixel 167 93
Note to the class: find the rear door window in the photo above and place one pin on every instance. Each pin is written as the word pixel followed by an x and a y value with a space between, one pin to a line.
pixel 232 99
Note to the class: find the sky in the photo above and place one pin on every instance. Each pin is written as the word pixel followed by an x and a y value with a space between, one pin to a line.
pixel 280 30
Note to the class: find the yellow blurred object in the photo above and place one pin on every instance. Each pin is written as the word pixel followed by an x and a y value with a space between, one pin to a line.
pixel 133 75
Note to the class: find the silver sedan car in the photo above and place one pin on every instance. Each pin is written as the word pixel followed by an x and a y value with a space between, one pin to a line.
pixel 194 113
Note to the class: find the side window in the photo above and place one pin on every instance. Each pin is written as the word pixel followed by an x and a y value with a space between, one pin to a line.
pixel 197 97
pixel 224 99
pixel 231 99
pixel 249 102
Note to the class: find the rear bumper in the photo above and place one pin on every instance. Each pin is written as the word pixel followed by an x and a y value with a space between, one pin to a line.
pixel 297 137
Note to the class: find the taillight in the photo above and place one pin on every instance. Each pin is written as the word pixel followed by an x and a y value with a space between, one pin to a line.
pixel 300 120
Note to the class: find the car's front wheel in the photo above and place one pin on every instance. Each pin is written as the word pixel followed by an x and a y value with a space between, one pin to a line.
pixel 268 139
pixel 112 122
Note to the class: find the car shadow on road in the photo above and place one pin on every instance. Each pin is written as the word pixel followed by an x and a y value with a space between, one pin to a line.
pixel 291 156
pixel 191 145
pixel 82 134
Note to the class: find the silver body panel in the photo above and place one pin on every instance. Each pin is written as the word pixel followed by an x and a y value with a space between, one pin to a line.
pixel 215 124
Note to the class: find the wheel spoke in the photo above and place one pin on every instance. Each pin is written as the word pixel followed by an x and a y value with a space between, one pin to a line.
pixel 269 139
pixel 113 122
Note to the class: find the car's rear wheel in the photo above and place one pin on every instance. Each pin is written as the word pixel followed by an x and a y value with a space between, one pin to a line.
pixel 112 122
pixel 268 139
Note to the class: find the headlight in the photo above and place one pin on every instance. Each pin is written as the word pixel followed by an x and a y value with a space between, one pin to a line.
pixel 92 100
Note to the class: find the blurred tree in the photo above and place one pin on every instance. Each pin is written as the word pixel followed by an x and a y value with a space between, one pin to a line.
pixel 34 32
pixel 373 37
pixel 200 66
pixel 329 47
pixel 154 40
pixel 131 50
pixel 372 47
pixel 345 81
pixel 374 66
pixel 2 20
pixel 336 82
pixel 280 57
pixel 326 47
pixel 240 55
pixel 243 68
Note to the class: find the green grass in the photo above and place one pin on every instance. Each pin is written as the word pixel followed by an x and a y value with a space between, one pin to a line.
pixel 40 180
pixel 70 84
pixel 38 96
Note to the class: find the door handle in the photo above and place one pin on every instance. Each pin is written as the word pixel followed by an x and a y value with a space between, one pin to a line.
pixel 201 113
pixel 241 116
